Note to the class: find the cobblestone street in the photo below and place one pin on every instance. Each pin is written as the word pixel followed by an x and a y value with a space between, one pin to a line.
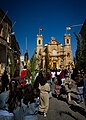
pixel 60 110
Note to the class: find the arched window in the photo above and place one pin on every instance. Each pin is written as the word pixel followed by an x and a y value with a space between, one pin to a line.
pixel 67 41
pixel 39 41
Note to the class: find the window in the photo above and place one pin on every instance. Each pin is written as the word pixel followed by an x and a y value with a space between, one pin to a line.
pixel 39 41
pixel 67 41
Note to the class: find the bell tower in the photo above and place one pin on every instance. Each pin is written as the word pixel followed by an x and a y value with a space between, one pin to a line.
pixel 67 41
pixel 67 49
pixel 39 44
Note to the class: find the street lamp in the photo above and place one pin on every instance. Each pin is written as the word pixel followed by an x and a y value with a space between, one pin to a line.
pixel 69 27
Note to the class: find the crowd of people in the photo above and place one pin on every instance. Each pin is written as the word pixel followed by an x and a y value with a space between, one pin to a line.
pixel 20 99
pixel 65 80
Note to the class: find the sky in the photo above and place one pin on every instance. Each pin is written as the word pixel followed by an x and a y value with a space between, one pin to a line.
pixel 51 15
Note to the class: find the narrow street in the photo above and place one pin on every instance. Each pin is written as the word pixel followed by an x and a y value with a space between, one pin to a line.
pixel 60 109
pixel 42 60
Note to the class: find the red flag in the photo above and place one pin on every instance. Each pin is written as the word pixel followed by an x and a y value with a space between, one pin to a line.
pixel 41 29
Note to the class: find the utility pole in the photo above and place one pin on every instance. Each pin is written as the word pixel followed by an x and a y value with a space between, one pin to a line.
pixel 26 53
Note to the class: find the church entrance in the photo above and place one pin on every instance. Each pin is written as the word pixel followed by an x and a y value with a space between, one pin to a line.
pixel 54 65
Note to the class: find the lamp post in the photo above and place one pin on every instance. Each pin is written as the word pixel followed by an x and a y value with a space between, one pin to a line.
pixel 46 58
pixel 72 26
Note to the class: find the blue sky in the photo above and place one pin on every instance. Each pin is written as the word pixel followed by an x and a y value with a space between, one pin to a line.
pixel 51 15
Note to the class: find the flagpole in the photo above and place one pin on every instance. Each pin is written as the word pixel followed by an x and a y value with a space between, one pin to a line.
pixel 39 31
pixel 26 44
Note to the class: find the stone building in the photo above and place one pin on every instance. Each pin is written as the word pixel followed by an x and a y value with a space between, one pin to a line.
pixel 9 47
pixel 59 56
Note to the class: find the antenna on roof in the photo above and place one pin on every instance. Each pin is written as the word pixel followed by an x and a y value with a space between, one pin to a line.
pixel 4 17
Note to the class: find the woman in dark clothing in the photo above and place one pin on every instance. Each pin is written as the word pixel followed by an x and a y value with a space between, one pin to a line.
pixel 5 81
pixel 12 101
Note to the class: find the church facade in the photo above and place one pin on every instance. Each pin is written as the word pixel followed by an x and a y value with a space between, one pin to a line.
pixel 59 56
